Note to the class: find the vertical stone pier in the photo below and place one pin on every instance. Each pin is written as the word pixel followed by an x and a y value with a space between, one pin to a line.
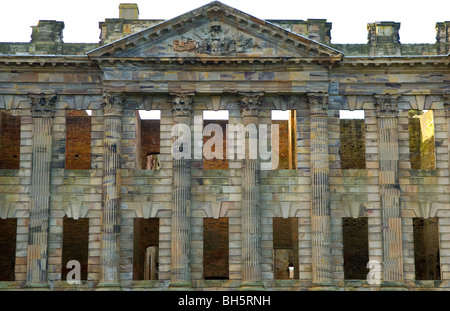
pixel 42 109
pixel 251 210
pixel 180 278
pixel 110 226
pixel 320 194
pixel 388 158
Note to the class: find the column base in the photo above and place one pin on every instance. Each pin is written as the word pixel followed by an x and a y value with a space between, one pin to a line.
pixel 37 286
pixel 323 286
pixel 180 286
pixel 107 286
pixel 393 286
pixel 252 286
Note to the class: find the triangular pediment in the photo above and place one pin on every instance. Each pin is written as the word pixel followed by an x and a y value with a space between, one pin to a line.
pixel 216 31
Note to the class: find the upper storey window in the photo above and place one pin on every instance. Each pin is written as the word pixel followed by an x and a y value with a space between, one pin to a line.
pixel 352 137
pixel 421 140
pixel 287 137
pixel 9 141
pixel 78 139
pixel 148 123
pixel 214 139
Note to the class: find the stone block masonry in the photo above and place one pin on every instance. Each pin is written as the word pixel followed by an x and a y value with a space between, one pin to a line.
pixel 277 229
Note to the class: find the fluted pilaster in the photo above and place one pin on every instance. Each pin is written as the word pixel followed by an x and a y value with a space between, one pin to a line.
pixel 110 226
pixel 387 110
pixel 42 108
pixel 250 210
pixel 320 193
pixel 181 227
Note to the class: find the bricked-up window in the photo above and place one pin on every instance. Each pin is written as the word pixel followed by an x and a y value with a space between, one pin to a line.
pixel 215 248
pixel 78 140
pixel 356 247
pixel 148 123
pixel 285 248
pixel 426 249
pixel 75 245
pixel 145 249
pixel 213 119
pixel 287 122
pixel 421 140
pixel 9 141
pixel 8 229
pixel 352 137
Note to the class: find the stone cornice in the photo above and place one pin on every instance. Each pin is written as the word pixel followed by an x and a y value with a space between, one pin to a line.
pixel 42 105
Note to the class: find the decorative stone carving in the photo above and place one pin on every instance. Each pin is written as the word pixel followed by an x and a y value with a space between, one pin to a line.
pixel 42 105
pixel 318 102
pixel 182 104
pixel 250 104
pixel 219 40
pixel 184 45
pixel 386 104
pixel 113 104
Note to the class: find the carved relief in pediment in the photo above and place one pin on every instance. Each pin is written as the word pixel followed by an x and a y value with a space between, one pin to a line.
pixel 215 39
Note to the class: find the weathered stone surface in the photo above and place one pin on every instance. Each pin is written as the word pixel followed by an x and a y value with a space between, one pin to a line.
pixel 218 58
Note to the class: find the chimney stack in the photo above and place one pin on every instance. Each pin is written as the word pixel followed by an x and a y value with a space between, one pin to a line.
pixel 128 11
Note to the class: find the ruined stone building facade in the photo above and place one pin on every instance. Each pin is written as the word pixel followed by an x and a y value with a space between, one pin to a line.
pixel 90 185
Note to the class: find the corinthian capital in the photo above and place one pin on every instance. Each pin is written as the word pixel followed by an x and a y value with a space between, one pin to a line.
pixel 113 104
pixel 386 105
pixel 318 102
pixel 182 104
pixel 42 105
pixel 250 104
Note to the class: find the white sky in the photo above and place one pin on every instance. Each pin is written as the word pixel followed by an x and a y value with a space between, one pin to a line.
pixel 349 17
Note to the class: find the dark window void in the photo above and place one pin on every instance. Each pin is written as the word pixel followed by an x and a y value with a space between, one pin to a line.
pixel 78 140
pixel 426 249
pixel 9 141
pixel 8 229
pixel 287 122
pixel 145 249
pixel 215 248
pixel 148 125
pixel 75 245
pixel 352 137
pixel 356 248
pixel 285 248
pixel 421 140
pixel 213 157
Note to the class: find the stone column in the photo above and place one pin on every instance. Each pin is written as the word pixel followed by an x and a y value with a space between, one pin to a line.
pixel 447 111
pixel 388 158
pixel 42 108
pixel 110 221
pixel 250 209
pixel 320 193
pixel 181 199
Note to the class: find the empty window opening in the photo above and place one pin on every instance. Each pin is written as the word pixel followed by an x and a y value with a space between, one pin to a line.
pixel 215 124
pixel 426 249
pixel 78 140
pixel 8 229
pixel 148 123
pixel 215 249
pixel 352 137
pixel 145 249
pixel 285 248
pixel 75 245
pixel 421 140
pixel 9 141
pixel 356 247
pixel 287 122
